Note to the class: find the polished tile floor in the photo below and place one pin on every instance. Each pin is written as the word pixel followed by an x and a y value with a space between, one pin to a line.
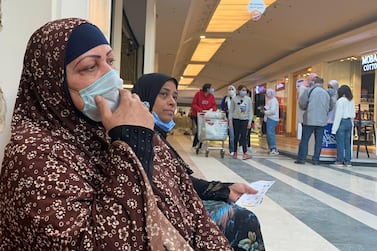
pixel 309 207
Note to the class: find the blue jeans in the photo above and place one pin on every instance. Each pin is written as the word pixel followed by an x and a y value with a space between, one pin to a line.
pixel 307 132
pixel 343 141
pixel 231 139
pixel 271 135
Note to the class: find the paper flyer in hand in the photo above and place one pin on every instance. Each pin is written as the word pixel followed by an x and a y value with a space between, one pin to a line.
pixel 254 200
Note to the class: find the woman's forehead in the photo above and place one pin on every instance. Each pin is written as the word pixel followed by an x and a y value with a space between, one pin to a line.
pixel 169 85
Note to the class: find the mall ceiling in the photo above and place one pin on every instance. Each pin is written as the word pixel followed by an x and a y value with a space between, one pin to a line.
pixel 290 36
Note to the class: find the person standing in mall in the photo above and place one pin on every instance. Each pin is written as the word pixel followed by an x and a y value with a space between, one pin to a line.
pixel 342 126
pixel 271 116
pixel 240 118
pixel 248 133
pixel 315 101
pixel 225 105
pixel 332 89
pixel 302 85
pixel 202 101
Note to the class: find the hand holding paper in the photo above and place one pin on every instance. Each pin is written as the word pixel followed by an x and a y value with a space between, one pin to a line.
pixel 254 200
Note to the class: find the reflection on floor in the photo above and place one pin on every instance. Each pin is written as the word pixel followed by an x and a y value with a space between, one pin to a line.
pixel 309 207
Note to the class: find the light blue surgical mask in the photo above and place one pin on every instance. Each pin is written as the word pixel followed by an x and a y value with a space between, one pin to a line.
pixel 166 127
pixel 232 93
pixel 243 93
pixel 211 90
pixel 331 91
pixel 108 87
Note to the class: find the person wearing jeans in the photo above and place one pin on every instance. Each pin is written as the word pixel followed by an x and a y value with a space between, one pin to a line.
pixel 343 124
pixel 315 101
pixel 271 117
pixel 343 143
pixel 307 131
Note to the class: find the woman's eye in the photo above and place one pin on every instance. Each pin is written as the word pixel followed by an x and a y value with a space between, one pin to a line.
pixel 110 61
pixel 89 68
pixel 163 94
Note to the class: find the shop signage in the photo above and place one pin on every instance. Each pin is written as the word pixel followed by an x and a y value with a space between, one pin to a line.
pixel 280 86
pixel 369 62
pixel 261 89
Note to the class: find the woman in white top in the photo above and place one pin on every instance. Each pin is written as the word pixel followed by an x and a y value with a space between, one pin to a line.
pixel 343 124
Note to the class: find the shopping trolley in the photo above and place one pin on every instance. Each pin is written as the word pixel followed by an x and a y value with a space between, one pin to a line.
pixel 212 126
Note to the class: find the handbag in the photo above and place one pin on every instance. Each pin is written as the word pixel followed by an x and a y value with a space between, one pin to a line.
pixel 163 236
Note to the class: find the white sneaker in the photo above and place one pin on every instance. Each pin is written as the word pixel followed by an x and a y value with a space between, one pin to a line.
pixel 274 152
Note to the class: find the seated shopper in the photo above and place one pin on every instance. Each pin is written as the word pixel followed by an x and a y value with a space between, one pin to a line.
pixel 239 225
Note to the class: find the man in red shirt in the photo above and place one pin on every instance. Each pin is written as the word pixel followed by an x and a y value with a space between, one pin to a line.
pixel 203 100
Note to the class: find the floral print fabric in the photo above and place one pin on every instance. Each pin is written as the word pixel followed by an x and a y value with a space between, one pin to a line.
pixel 239 225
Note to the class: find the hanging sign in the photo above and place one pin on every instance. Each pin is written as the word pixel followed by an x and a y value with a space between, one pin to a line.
pixel 256 9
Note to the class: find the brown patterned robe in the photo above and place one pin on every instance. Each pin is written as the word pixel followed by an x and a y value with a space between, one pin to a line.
pixel 63 186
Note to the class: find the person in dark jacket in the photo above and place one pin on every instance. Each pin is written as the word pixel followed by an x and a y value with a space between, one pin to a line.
pixel 160 93
pixel 225 105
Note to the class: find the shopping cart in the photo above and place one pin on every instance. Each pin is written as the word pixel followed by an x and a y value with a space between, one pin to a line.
pixel 212 126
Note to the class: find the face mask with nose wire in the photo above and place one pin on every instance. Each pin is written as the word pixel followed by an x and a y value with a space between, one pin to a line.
pixel 166 127
pixel 106 86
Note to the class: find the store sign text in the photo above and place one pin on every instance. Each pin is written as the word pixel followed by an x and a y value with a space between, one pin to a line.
pixel 369 62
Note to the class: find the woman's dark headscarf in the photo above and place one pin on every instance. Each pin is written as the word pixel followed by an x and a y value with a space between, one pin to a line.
pixel 149 85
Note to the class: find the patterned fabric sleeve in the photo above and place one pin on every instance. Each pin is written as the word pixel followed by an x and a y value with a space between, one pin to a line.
pixel 55 203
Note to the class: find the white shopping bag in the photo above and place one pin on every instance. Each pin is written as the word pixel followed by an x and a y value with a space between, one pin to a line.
pixel 215 129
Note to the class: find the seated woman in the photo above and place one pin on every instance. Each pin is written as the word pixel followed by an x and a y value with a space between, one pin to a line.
pixel 67 185
pixel 239 225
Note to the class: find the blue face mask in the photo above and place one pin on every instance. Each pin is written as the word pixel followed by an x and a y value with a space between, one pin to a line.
pixel 166 127
pixel 211 90
pixel 243 93
pixel 331 91
pixel 107 86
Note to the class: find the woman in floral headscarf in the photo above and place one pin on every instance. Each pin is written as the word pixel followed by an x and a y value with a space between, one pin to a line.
pixel 65 184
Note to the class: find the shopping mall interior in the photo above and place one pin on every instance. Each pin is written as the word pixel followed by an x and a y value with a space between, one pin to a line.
pixel 222 42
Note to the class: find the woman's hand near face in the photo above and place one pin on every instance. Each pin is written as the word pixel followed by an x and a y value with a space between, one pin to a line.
pixel 131 111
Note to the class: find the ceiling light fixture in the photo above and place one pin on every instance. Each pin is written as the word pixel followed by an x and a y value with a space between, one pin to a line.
pixel 193 69
pixel 185 81
pixel 206 48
